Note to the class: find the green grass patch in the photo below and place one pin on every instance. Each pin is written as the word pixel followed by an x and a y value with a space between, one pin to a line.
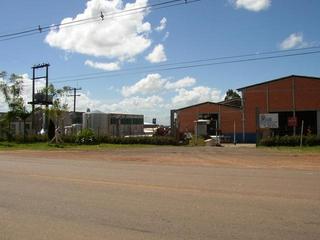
pixel 303 150
pixel 9 146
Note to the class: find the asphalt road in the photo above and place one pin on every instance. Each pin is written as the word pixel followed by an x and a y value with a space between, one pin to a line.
pixel 91 199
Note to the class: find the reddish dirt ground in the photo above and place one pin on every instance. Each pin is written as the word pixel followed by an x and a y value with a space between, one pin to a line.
pixel 241 157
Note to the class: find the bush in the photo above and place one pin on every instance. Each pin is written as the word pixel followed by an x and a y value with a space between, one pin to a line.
pixel 311 140
pixel 86 137
pixel 139 140
pixel 31 138
pixel 291 141
pixel 69 138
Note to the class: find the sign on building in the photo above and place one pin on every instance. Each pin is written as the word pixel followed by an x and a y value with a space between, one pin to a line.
pixel 269 120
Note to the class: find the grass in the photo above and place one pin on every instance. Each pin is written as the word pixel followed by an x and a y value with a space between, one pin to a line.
pixel 304 149
pixel 7 146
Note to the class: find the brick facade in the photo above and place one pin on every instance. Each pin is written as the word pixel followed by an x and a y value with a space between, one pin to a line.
pixel 186 117
pixel 287 95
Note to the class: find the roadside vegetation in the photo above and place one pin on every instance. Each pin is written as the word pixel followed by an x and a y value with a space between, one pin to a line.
pixel 290 141
pixel 84 140
pixel 292 144
pixel 294 150
pixel 44 146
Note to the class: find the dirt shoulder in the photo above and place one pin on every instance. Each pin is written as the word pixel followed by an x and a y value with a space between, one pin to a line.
pixel 241 157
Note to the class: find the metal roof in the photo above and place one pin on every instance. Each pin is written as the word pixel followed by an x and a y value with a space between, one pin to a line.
pixel 199 104
pixel 278 79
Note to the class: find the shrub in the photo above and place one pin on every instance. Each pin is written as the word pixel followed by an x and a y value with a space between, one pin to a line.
pixel 31 138
pixel 86 137
pixel 291 141
pixel 69 139
pixel 157 140
pixel 311 140
pixel 268 141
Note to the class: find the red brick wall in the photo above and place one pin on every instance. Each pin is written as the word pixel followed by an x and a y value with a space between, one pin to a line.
pixel 278 96
pixel 307 94
pixel 254 98
pixel 187 116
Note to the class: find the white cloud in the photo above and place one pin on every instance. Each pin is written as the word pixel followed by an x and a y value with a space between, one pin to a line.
pixel 113 66
pixel 166 36
pixel 148 85
pixel 252 5
pixel 295 40
pixel 162 26
pixel 157 55
pixel 155 83
pixel 116 37
pixel 136 104
pixel 195 95
pixel 182 83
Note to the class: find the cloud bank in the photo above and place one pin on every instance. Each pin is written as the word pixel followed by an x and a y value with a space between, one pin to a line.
pixel 117 37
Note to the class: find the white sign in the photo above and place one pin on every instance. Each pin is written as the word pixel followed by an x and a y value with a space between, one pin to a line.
pixel 269 120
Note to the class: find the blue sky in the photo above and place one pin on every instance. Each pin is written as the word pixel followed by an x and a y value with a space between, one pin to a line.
pixel 200 30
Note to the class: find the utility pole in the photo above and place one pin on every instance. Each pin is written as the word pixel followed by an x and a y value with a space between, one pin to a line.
pixel 36 98
pixel 74 95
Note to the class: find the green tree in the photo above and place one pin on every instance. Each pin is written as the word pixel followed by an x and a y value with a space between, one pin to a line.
pixel 55 112
pixel 12 88
pixel 231 94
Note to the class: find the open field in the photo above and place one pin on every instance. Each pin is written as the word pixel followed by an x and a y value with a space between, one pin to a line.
pixel 159 193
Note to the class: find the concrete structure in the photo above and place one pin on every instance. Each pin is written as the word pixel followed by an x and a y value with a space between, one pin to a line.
pixel 290 99
pixel 111 124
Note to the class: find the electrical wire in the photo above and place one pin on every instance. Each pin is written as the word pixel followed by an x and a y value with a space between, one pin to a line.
pixel 193 66
pixel 101 17
pixel 190 62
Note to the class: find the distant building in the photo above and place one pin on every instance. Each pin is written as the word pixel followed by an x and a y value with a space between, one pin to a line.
pixel 150 128
pixel 112 124
pixel 18 127
pixel 207 119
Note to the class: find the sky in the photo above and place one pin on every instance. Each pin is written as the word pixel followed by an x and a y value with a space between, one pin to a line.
pixel 146 61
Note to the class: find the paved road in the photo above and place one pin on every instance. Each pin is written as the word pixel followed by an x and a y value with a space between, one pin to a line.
pixel 89 199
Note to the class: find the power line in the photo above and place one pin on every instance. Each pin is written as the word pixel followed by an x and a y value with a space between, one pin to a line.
pixel 192 61
pixel 189 64
pixel 101 17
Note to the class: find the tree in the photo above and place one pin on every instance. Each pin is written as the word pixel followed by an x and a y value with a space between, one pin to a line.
pixel 12 88
pixel 56 110
pixel 231 94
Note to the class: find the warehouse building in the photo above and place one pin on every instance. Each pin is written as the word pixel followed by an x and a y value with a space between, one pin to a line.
pixel 208 119
pixel 277 107
pixel 288 101
pixel 113 124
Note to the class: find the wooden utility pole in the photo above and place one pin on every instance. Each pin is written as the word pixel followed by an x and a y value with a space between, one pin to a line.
pixel 74 95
